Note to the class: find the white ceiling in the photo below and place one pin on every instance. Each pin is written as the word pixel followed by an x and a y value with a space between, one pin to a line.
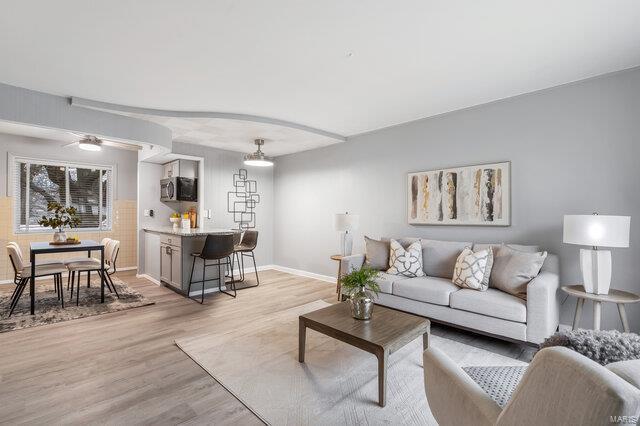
pixel 341 66
pixel 238 135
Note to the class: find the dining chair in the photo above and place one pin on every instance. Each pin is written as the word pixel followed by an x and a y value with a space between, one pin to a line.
pixel 104 242
pixel 246 247
pixel 216 248
pixel 89 265
pixel 22 274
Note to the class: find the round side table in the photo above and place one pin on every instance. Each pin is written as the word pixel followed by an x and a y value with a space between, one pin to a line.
pixel 618 297
pixel 338 257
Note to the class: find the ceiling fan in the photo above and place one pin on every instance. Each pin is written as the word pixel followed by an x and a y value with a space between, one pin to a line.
pixel 93 143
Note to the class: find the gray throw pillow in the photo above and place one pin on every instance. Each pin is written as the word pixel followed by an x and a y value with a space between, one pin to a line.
pixel 376 254
pixel 513 270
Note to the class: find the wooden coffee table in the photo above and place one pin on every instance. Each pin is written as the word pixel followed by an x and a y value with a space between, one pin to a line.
pixel 387 331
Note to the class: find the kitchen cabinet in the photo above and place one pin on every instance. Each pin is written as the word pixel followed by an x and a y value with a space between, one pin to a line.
pixel 180 168
pixel 171 169
pixel 171 264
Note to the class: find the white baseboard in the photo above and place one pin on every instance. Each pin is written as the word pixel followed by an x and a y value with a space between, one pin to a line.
pixel 148 277
pixel 326 278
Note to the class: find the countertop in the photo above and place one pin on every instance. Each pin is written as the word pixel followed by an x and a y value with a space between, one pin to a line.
pixel 194 232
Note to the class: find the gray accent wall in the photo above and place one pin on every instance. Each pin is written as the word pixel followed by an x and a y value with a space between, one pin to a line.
pixel 574 150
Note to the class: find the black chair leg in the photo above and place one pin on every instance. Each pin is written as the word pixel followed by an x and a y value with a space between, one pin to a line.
pixel 221 280
pixel 191 277
pixel 255 268
pixel 61 290
pixel 73 280
pixel 88 279
pixel 14 302
pixel 115 290
pixel 78 291
pixel 68 280
pixel 204 269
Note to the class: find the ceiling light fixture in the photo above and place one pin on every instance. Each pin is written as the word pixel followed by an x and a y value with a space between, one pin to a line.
pixel 258 158
pixel 90 143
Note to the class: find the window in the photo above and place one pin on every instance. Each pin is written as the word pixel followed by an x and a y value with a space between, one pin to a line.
pixel 88 188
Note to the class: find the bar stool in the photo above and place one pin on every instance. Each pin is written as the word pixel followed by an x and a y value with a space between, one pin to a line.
pixel 217 248
pixel 246 248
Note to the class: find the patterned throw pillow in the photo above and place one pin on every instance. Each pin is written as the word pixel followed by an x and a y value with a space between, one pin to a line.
pixel 406 262
pixel 472 270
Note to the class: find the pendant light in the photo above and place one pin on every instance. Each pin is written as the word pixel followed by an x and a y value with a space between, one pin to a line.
pixel 258 158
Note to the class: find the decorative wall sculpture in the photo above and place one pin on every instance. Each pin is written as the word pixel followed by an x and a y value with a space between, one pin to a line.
pixel 473 195
pixel 242 201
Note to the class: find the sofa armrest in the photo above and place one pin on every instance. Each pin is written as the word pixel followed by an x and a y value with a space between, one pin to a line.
pixel 543 307
pixel 454 398
pixel 351 263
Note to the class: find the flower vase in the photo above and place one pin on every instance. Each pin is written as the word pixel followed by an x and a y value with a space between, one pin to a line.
pixel 59 237
pixel 361 305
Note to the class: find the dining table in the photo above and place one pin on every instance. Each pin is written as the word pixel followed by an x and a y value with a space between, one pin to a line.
pixel 37 248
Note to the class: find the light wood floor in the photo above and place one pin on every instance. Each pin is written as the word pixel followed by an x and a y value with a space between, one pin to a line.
pixel 123 368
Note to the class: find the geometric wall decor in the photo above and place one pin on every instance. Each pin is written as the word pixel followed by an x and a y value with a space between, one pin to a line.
pixel 472 195
pixel 242 200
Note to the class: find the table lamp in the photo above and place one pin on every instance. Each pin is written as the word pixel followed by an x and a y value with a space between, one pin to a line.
pixel 596 231
pixel 344 223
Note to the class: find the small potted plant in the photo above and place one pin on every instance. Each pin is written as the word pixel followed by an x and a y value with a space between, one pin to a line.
pixel 61 217
pixel 359 286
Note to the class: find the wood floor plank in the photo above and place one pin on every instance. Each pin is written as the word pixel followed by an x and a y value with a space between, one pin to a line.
pixel 124 368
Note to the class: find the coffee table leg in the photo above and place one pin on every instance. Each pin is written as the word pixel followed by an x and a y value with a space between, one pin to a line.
pixel 302 337
pixel 383 357
pixel 425 341
pixel 576 317
pixel 623 317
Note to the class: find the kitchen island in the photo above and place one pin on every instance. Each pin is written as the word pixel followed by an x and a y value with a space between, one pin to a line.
pixel 168 257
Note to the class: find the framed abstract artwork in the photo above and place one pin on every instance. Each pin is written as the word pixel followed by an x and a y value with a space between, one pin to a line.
pixel 471 195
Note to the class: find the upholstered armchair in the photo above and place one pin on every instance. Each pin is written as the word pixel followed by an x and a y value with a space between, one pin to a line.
pixel 559 387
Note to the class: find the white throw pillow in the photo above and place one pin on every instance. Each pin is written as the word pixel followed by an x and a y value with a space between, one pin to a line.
pixel 472 270
pixel 406 262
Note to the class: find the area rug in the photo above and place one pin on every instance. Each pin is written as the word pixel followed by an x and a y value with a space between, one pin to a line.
pixel 49 310
pixel 337 384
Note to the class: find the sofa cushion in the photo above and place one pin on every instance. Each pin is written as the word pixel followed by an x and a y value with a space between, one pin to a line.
pixel 496 246
pixel 425 289
pixel 439 257
pixel 628 370
pixel 513 270
pixel 376 253
pixel 492 302
pixel 385 281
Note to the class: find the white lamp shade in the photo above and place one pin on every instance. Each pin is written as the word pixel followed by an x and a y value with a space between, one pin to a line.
pixel 346 222
pixel 597 230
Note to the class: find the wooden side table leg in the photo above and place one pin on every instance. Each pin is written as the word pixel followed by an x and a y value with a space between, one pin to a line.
pixel 623 317
pixel 383 357
pixel 578 315
pixel 302 338
pixel 597 314
pixel 338 286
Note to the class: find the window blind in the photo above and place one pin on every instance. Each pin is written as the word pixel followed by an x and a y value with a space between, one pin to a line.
pixel 88 188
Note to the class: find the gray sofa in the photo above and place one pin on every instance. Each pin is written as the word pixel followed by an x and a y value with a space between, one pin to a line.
pixel 491 312
pixel 560 387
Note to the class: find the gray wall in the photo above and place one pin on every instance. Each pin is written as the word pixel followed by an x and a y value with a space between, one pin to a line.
pixel 574 150
pixel 124 160
pixel 219 167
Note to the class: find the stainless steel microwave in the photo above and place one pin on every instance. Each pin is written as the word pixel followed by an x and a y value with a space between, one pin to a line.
pixel 179 189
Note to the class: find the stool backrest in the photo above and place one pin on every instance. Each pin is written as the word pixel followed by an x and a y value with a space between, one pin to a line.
pixel 217 246
pixel 237 237
pixel 250 238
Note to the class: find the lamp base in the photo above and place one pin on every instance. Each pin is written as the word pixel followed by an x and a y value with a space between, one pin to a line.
pixel 346 244
pixel 596 270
